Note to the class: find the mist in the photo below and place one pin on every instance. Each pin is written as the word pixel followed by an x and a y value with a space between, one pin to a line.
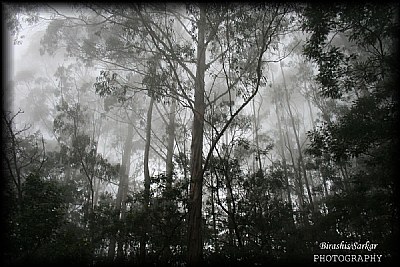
pixel 199 134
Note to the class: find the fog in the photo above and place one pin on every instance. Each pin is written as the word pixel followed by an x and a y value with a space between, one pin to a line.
pixel 181 133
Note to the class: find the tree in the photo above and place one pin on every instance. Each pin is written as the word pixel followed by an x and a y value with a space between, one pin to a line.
pixel 265 38
pixel 362 73
pixel 34 199
pixel 160 36
pixel 296 134
pixel 21 155
pixel 122 192
pixel 283 156
pixel 146 192
pixel 170 155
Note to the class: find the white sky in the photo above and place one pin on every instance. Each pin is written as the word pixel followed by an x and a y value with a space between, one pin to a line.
pixel 25 57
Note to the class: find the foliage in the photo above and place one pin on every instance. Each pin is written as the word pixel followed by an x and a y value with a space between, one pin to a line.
pixel 364 136
pixel 63 205
pixel 34 225
pixel 16 15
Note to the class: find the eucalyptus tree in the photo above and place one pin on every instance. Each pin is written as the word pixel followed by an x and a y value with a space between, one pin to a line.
pixel 222 41
pixel 242 71
pixel 184 61
pixel 282 151
pixel 296 134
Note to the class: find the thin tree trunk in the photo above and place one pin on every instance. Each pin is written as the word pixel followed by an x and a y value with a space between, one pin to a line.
pixel 146 197
pixel 323 181
pixel 169 174
pixel 311 113
pixel 122 187
pixel 343 170
pixel 195 242
pixel 255 134
pixel 213 189
pixel 231 214
pixel 282 147
pixel 230 223
pixel 297 175
pixel 302 165
pixel 125 187
pixel 170 145
pixel 214 220
pixel 285 172
pixel 228 195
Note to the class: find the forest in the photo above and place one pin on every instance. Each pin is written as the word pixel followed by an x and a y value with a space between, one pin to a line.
pixel 161 134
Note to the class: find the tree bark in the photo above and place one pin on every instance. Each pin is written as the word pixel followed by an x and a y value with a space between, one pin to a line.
pixel 195 241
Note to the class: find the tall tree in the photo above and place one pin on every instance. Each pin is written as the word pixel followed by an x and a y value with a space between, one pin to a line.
pixel 233 39
pixel 122 191
pixel 171 141
pixel 283 154
pixel 195 242
pixel 296 135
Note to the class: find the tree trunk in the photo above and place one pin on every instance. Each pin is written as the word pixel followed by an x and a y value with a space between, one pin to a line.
pixel 166 254
pixel 297 175
pixel 311 113
pixel 97 191
pixel 229 200
pixel 285 172
pixel 170 145
pixel 146 193
pixel 125 187
pixel 282 147
pixel 301 161
pixel 213 192
pixel 255 136
pixel 195 242
pixel 122 188
pixel 233 227
pixel 214 219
